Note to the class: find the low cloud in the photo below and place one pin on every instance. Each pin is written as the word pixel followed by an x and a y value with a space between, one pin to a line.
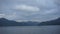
pixel 11 17
pixel 2 15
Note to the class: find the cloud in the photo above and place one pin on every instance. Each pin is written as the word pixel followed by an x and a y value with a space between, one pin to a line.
pixel 11 16
pixel 26 8
pixel 52 11
pixel 33 20
pixel 57 1
pixel 34 10
pixel 2 15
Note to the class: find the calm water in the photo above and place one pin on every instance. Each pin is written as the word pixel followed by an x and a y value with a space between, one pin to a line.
pixel 30 30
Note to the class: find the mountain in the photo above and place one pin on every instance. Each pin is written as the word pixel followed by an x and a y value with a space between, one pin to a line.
pixel 6 22
pixel 52 22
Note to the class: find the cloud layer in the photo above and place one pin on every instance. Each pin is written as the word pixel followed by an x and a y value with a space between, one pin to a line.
pixel 30 10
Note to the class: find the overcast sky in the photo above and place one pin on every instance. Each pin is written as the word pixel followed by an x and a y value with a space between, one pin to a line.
pixel 30 10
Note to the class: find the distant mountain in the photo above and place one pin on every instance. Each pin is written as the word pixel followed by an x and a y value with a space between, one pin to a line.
pixel 6 22
pixel 52 22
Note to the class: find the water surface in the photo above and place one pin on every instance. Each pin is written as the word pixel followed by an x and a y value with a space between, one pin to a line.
pixel 30 30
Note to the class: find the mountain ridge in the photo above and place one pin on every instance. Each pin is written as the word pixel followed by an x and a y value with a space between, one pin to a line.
pixel 51 22
pixel 6 22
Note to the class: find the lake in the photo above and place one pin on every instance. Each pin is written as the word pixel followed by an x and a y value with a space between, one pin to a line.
pixel 30 30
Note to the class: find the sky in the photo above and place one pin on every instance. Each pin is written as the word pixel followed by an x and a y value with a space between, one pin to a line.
pixel 30 10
